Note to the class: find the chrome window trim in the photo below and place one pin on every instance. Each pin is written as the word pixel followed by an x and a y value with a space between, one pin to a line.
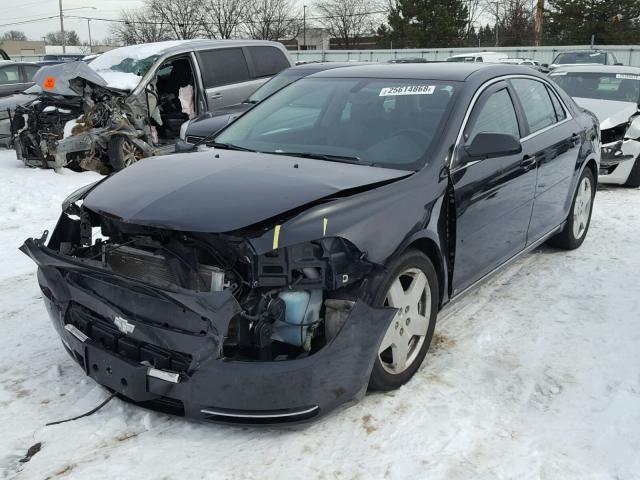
pixel 474 100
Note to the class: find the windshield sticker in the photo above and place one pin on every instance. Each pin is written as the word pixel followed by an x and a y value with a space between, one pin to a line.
pixel 627 76
pixel 49 83
pixel 407 90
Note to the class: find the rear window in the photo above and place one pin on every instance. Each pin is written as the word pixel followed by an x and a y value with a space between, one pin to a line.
pixel 267 61
pixel 223 67
pixel 581 57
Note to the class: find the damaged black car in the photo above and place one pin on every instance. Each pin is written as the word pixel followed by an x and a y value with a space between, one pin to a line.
pixel 303 258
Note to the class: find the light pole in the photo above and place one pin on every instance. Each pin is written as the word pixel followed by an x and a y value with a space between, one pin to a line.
pixel 304 27
pixel 89 28
pixel 64 40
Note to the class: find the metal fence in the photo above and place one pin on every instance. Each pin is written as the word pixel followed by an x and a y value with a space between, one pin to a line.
pixel 626 54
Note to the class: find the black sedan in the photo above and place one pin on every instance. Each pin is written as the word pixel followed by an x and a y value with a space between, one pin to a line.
pixel 204 126
pixel 304 259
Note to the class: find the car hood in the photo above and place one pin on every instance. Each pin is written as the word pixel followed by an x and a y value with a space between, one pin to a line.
pixel 610 113
pixel 13 101
pixel 222 191
pixel 60 79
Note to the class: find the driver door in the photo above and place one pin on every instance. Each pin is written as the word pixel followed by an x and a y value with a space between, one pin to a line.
pixel 493 196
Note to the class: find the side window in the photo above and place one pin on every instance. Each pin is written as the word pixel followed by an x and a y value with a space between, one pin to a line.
pixel 557 106
pixel 496 115
pixel 536 103
pixel 268 61
pixel 223 66
pixel 9 75
pixel 29 72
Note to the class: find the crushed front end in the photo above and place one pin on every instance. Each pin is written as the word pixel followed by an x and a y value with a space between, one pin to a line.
pixel 620 151
pixel 200 325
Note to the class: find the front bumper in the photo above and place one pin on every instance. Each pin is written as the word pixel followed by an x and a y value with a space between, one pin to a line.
pixel 184 371
pixel 617 160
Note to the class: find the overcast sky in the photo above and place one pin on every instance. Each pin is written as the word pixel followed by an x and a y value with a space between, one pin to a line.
pixel 14 11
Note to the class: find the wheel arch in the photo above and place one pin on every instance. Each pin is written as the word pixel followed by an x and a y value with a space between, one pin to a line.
pixel 431 249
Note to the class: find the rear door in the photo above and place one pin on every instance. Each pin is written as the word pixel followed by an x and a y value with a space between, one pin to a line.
pixel 553 141
pixel 226 76
pixel 494 196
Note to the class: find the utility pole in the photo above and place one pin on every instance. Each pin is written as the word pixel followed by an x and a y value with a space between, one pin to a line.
pixel 89 28
pixel 64 39
pixel 538 25
pixel 304 27
pixel 496 27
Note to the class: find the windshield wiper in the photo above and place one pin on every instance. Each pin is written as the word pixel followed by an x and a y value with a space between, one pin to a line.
pixel 228 146
pixel 326 156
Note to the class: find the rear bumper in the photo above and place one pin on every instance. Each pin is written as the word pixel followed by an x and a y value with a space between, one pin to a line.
pixel 201 383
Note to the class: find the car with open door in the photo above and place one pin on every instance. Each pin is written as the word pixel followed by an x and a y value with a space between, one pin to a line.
pixel 305 257
pixel 612 93
pixel 130 102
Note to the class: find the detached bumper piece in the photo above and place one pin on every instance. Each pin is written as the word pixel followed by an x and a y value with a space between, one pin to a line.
pixel 162 349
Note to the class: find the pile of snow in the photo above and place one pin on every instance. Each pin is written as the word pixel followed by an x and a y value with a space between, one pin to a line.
pixel 534 375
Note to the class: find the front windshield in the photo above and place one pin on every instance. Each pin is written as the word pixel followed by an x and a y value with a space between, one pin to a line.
pixel 581 57
pixel 621 87
pixel 276 83
pixel 383 122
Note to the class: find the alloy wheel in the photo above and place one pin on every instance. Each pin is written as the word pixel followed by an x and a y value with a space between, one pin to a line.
pixel 411 295
pixel 582 208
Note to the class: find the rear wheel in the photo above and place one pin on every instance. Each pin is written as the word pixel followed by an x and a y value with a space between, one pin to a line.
pixel 634 177
pixel 411 286
pixel 579 219
pixel 122 152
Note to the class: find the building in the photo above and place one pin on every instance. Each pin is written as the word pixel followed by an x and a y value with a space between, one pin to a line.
pixel 312 38
pixel 28 48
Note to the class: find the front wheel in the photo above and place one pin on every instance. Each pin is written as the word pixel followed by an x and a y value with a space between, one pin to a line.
pixel 411 286
pixel 122 152
pixel 579 219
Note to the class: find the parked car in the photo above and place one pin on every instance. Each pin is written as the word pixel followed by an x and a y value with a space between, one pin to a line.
pixel 7 105
pixel 203 126
pixel 584 57
pixel 130 102
pixel 305 258
pixel 16 77
pixel 61 58
pixel 408 60
pixel 535 64
pixel 612 93
pixel 487 57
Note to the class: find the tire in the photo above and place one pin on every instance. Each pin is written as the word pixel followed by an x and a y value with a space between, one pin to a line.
pixel 407 272
pixel 122 153
pixel 577 223
pixel 634 176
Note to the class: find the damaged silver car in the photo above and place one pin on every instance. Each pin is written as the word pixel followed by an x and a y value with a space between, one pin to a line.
pixel 130 103
pixel 612 93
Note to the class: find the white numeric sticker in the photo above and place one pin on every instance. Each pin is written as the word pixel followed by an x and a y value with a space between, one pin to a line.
pixel 407 90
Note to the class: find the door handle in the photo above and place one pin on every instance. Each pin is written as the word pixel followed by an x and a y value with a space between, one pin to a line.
pixel 528 162
pixel 576 138
pixel 215 96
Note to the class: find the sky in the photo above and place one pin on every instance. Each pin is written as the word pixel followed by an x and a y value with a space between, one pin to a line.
pixel 14 11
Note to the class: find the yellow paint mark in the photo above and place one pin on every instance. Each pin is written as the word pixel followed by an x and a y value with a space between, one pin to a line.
pixel 325 221
pixel 276 236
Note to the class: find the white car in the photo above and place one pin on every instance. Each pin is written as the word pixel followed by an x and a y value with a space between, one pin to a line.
pixel 612 93
pixel 487 57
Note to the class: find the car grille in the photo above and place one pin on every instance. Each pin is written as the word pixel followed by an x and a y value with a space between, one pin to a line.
pixel 103 332
pixel 614 134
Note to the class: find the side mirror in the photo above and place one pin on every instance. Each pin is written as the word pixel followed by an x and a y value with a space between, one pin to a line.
pixel 184 147
pixel 545 65
pixel 488 145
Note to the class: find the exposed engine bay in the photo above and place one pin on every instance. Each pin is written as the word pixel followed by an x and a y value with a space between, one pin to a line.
pixel 80 122
pixel 292 300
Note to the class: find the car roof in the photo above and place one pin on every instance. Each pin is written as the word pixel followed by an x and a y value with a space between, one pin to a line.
pixel 426 71
pixel 13 62
pixel 597 68
pixel 179 46
pixel 320 66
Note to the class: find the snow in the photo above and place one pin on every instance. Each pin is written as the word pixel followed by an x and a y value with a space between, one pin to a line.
pixel 535 375
pixel 68 127
pixel 105 63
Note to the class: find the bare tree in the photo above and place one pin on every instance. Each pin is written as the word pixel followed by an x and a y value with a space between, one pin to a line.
pixel 140 26
pixel 347 20
pixel 515 22
pixel 15 35
pixel 272 19
pixel 55 38
pixel 223 18
pixel 181 16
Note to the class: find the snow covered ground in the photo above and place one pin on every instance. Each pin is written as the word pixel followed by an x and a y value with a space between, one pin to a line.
pixel 536 375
